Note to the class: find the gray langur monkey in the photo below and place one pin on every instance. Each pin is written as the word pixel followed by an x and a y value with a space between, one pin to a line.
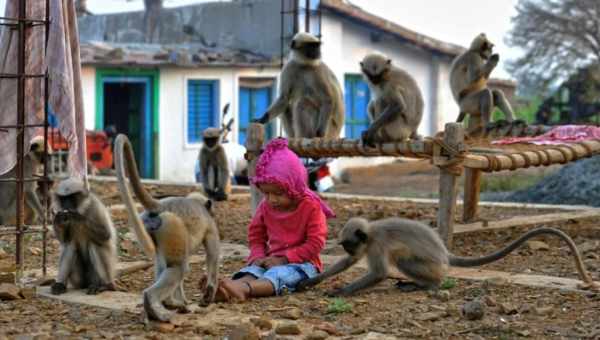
pixel 418 252
pixel 310 97
pixel 32 165
pixel 214 166
pixel 396 106
pixel 88 239
pixel 469 75
pixel 169 231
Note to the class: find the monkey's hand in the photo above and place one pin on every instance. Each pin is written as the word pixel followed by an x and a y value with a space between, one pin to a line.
pixel 495 58
pixel 66 218
pixel 368 137
pixel 58 288
pixel 305 284
pixel 220 195
pixel 262 120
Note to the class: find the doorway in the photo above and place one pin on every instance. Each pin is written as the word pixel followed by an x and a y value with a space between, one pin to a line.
pixel 255 98
pixel 126 102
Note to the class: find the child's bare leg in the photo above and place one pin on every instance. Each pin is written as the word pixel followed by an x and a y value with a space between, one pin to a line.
pixel 247 287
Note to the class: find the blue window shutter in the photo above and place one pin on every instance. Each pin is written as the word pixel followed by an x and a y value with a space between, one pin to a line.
pixel 357 96
pixel 202 108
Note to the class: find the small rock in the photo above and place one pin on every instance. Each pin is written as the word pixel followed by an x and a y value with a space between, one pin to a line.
pixel 490 301
pixel 287 328
pixel 473 310
pixel 443 295
pixel 542 310
pixel 9 291
pixel 162 327
pixel 508 308
pixel 585 247
pixel 431 316
pixel 8 278
pixel 3 254
pixel 453 310
pixel 292 314
pixel 330 328
pixel 538 245
pixel 245 331
pixel 35 251
pixel 262 323
pixel 293 301
pixel 317 335
pixel 28 292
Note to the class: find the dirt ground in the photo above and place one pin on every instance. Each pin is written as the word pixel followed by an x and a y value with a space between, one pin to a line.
pixel 510 311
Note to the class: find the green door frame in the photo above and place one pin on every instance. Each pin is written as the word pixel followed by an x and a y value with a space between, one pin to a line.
pixel 154 75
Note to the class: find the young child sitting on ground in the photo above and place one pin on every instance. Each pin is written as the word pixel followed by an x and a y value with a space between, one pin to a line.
pixel 286 234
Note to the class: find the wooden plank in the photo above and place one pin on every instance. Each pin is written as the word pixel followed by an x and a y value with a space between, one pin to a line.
pixel 526 221
pixel 453 137
pixel 122 267
pixel 472 189
pixel 119 301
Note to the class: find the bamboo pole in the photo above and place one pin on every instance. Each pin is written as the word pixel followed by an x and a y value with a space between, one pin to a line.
pixel 472 190
pixel 551 155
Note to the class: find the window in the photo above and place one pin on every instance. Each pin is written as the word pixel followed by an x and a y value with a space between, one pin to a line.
pixel 357 96
pixel 313 24
pixel 202 109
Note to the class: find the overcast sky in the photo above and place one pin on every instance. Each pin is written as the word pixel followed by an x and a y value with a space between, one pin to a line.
pixel 456 21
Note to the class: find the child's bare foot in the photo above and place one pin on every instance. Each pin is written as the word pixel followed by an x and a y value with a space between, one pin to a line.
pixel 227 290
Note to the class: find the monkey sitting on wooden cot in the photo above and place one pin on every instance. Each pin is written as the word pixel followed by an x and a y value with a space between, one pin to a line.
pixel 396 106
pixel 214 166
pixel 418 252
pixel 88 240
pixel 469 75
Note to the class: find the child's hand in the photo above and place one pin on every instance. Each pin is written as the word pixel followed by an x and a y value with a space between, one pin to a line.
pixel 273 261
pixel 260 262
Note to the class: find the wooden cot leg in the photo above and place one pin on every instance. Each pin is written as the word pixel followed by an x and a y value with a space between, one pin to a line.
pixel 255 137
pixel 454 138
pixel 471 199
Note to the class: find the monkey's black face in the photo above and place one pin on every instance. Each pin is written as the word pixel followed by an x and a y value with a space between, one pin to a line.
pixel 308 50
pixel 350 246
pixel 210 142
pixel 70 202
pixel 374 78
pixel 486 50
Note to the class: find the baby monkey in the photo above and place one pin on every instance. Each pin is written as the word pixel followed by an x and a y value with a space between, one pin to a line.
pixel 418 252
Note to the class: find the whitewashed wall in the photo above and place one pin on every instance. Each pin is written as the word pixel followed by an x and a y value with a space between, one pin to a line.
pixel 88 82
pixel 177 157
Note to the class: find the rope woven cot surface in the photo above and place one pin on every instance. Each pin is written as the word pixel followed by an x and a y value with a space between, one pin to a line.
pixel 478 153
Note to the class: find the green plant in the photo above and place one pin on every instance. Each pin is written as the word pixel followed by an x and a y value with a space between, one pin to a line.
pixel 448 283
pixel 338 305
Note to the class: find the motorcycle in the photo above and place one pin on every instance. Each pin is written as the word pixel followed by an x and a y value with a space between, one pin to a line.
pixel 319 176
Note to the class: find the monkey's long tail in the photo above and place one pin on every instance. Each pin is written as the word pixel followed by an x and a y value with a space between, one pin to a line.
pixel 460 261
pixel 122 149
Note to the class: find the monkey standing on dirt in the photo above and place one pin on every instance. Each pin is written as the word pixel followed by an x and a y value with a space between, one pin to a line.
pixel 417 251
pixel 32 163
pixel 214 166
pixel 169 230
pixel 469 75
pixel 396 105
pixel 310 96
pixel 87 237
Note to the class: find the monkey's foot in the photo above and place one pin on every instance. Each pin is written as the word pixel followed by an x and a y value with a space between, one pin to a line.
pixel 155 309
pixel 408 287
pixel 178 306
pixel 518 123
pixel 588 286
pixel 216 294
pixel 58 288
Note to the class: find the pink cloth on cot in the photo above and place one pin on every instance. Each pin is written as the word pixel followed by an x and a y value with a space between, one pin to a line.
pixel 563 134
pixel 280 165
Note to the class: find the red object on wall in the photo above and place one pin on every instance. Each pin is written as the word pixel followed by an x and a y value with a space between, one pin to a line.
pixel 99 152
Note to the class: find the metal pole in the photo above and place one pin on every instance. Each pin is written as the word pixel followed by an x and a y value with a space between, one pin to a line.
pixel 307 16
pixel 45 156
pixel 20 136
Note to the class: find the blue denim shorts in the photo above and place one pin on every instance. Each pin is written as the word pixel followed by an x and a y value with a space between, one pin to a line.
pixel 284 278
